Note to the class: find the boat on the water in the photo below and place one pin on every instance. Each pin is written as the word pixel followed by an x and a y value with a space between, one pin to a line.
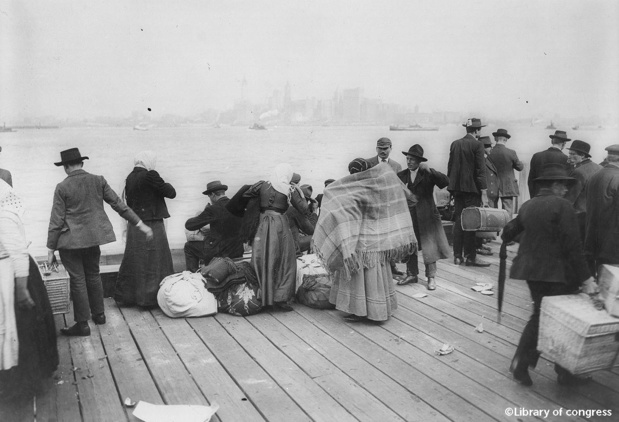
pixel 551 126
pixel 142 126
pixel 257 126
pixel 414 127
pixel 4 129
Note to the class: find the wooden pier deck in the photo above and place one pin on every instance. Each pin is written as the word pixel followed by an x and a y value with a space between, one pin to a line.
pixel 311 365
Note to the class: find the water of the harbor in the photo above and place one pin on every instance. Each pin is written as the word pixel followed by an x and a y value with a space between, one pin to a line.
pixel 191 156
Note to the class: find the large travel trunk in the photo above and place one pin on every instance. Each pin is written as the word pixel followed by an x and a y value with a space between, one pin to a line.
pixel 577 336
pixel 479 219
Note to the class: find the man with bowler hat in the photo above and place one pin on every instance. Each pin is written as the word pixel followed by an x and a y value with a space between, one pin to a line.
pixel 383 149
pixel 550 258
pixel 77 227
pixel 223 239
pixel 553 154
pixel 466 170
pixel 420 179
pixel 602 218
pixel 506 161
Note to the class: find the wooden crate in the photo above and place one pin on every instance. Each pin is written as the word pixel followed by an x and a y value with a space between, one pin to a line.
pixel 577 336
pixel 57 285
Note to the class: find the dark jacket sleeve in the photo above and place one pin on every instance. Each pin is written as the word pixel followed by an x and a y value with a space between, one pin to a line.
pixel 57 219
pixel 207 216
pixel 165 189
pixel 238 203
pixel 516 163
pixel 572 246
pixel 438 178
pixel 307 223
pixel 480 167
pixel 299 202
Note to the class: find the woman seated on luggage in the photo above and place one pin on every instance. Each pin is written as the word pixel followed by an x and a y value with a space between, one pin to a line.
pixel 357 236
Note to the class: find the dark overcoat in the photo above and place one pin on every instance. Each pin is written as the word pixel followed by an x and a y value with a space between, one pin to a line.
pixel 466 168
pixel 506 161
pixel 145 191
pixel 582 173
pixel 492 181
pixel 426 218
pixel 550 246
pixel 538 161
pixel 78 219
pixel 602 238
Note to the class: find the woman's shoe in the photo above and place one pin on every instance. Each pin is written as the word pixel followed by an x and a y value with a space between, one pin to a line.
pixel 431 283
pixel 409 279
pixel 78 329
pixel 354 318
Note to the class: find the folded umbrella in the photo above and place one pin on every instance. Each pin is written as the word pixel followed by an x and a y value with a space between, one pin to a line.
pixel 502 265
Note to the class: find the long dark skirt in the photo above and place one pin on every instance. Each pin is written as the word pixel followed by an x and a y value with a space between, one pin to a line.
pixel 38 354
pixel 274 258
pixel 144 265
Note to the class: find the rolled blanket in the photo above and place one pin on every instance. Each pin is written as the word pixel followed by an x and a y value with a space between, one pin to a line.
pixel 364 220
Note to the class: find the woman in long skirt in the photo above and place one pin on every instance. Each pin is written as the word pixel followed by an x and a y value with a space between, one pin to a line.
pixel 364 224
pixel 28 352
pixel 273 250
pixel 145 263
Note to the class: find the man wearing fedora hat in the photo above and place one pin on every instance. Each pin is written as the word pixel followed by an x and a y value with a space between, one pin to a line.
pixel 383 149
pixel 506 161
pixel 553 154
pixel 6 175
pixel 302 225
pixel 466 170
pixel 602 205
pixel 223 238
pixel 420 179
pixel 550 258
pixel 77 227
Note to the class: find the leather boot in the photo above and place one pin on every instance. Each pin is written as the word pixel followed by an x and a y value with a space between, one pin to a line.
pixel 78 329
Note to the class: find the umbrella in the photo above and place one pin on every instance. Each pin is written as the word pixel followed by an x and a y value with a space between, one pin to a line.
pixel 502 265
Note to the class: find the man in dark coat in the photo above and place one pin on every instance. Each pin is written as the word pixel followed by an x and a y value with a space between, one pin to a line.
pixel 553 154
pixel 492 174
pixel 302 225
pixel 466 170
pixel 602 220
pixel 223 239
pixel 6 175
pixel 583 169
pixel 506 161
pixel 78 225
pixel 550 258
pixel 420 179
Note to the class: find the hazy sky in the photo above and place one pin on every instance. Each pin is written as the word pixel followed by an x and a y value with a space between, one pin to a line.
pixel 90 58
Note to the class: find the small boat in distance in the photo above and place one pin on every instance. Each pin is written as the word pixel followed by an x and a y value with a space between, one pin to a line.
pixel 142 126
pixel 414 127
pixel 551 126
pixel 6 129
pixel 257 126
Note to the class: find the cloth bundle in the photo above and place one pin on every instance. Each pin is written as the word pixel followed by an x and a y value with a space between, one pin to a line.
pixel 364 220
pixel 235 286
pixel 184 295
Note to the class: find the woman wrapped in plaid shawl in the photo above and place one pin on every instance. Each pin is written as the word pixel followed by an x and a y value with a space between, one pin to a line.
pixel 364 223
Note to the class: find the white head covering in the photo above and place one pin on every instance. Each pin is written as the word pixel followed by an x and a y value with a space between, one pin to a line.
pixel 280 178
pixel 9 201
pixel 145 159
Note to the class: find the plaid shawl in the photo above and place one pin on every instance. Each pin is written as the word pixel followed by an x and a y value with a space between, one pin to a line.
pixel 364 220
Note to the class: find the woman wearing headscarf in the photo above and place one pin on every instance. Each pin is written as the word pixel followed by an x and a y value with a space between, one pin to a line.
pixel 273 250
pixel 364 224
pixel 28 354
pixel 145 263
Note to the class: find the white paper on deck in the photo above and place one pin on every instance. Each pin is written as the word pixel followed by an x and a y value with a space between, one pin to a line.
pixel 174 413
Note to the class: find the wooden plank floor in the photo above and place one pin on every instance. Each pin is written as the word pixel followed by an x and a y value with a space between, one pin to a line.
pixel 311 365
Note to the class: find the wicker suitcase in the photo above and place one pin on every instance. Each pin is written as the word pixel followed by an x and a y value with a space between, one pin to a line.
pixel 57 284
pixel 577 336
pixel 484 219
pixel 609 288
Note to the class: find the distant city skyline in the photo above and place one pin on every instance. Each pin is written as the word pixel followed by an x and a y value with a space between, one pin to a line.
pixel 514 58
